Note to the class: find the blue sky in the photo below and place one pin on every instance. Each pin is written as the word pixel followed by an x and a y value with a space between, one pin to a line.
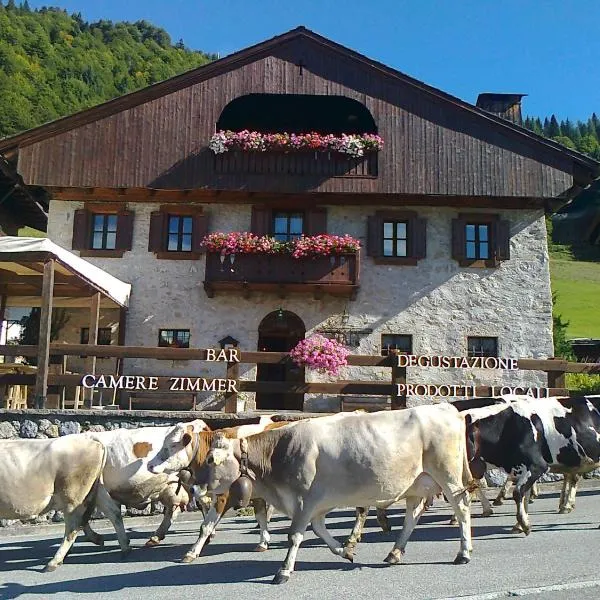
pixel 548 49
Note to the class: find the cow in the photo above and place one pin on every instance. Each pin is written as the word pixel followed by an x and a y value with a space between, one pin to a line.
pixel 355 459
pixel 531 437
pixel 184 450
pixel 53 474
pixel 127 480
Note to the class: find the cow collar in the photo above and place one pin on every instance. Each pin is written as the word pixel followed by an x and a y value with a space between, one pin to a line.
pixel 244 470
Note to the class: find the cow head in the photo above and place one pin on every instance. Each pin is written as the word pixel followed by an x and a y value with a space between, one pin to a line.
pixel 226 470
pixel 177 450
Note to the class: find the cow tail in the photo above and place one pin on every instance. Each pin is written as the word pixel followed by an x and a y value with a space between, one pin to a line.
pixel 470 483
pixel 90 499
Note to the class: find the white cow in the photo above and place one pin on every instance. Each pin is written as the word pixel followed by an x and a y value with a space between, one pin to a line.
pixel 307 469
pixel 128 481
pixel 56 474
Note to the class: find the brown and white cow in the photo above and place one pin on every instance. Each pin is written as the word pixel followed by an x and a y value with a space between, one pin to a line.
pixel 367 459
pixel 128 481
pixel 186 450
pixel 56 474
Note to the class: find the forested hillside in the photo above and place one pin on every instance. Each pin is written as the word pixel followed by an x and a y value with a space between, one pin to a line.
pixel 53 64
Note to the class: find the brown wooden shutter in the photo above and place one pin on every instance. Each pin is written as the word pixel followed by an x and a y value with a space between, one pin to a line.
pixel 459 241
pixel 124 230
pixel 156 236
pixel 199 231
pixel 260 223
pixel 501 235
pixel 418 236
pixel 374 236
pixel 82 222
pixel 316 221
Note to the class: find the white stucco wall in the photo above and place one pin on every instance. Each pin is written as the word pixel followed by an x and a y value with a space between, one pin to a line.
pixel 437 302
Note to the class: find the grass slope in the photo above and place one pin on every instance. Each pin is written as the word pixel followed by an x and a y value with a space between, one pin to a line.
pixel 577 288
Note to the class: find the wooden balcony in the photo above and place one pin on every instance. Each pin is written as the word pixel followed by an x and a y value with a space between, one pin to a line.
pixel 336 275
pixel 319 164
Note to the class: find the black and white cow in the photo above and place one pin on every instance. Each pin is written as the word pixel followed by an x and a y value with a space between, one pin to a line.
pixel 530 437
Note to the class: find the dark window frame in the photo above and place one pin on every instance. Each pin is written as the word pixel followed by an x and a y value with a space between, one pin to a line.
pixel 84 227
pixel 288 235
pixel 175 334
pixel 387 348
pixel 482 339
pixel 395 238
pixel 181 234
pixel 158 235
pixel 498 239
pixel 105 230
pixel 416 237
pixel 104 336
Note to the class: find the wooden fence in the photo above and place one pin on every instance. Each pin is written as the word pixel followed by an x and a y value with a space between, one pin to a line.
pixel 554 368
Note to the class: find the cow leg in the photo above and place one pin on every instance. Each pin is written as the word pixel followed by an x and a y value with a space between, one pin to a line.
pixel 92 536
pixel 296 535
pixel 356 533
pixel 525 479
pixel 319 527
pixel 503 493
pixel 486 507
pixel 261 512
pixel 569 491
pixel 112 511
pixel 382 519
pixel 172 503
pixel 215 514
pixel 73 521
pixel 534 492
pixel 415 507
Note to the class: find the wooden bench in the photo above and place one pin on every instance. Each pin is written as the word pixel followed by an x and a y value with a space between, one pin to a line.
pixel 162 401
pixel 348 403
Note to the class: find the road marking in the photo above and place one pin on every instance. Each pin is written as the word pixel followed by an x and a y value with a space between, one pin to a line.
pixel 559 587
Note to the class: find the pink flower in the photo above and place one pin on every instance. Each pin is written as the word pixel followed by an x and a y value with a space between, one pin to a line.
pixel 321 353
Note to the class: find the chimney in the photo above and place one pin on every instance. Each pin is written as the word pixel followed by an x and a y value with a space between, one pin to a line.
pixel 507 106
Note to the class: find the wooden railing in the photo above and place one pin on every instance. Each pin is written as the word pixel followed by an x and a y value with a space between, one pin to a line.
pixel 555 370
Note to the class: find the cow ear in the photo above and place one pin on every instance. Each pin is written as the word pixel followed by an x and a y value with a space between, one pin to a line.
pixel 186 439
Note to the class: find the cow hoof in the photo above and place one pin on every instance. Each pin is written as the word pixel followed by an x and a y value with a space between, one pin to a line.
pixel 498 502
pixel 50 567
pixel 348 554
pixel 188 558
pixel 153 541
pixel 96 539
pixel 565 510
pixel 487 513
pixel 393 558
pixel 261 548
pixel 453 521
pixel 280 578
pixel 125 551
pixel 461 560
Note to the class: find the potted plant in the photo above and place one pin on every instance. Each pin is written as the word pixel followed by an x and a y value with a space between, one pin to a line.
pixel 320 353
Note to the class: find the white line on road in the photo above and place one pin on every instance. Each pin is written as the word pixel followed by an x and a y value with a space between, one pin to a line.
pixel 559 587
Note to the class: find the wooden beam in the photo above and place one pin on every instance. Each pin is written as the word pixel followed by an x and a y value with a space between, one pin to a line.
pixel 93 341
pixel 2 314
pixel 43 355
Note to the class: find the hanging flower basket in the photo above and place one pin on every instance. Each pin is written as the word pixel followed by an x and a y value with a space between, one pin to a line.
pixel 320 353
pixel 353 144
pixel 313 246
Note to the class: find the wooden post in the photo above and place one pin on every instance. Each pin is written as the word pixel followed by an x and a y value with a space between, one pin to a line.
pixel 121 342
pixel 233 372
pixel 556 379
pixel 2 316
pixel 398 377
pixel 43 354
pixel 93 340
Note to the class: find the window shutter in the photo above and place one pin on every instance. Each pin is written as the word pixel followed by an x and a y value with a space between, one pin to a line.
pixel 459 241
pixel 316 221
pixel 261 220
pixel 124 230
pixel 502 240
pixel 418 235
pixel 199 231
pixel 82 220
pixel 374 236
pixel 156 237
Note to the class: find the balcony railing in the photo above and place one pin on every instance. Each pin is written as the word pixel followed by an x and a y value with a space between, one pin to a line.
pixel 320 164
pixel 337 275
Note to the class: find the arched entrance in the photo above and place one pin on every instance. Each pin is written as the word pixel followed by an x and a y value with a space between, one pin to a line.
pixel 280 331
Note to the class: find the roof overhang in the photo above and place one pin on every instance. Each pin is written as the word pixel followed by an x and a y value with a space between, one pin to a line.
pixel 75 280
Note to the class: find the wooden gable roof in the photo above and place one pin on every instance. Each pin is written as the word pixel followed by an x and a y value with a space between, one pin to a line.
pixel 435 143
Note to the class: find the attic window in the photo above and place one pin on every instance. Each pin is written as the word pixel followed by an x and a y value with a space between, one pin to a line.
pixel 296 113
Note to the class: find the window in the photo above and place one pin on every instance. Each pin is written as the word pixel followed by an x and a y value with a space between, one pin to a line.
pixel 397 237
pixel 174 338
pixel 104 336
pixel 480 240
pixel 176 232
pixel 396 342
pixel 102 230
pixel 180 234
pixel 287 225
pixel 482 346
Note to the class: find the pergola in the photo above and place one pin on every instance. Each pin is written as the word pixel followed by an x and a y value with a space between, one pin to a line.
pixel 35 272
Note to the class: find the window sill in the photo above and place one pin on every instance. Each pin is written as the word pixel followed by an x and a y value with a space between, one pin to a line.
pixel 403 261
pixel 479 264
pixel 164 255
pixel 102 253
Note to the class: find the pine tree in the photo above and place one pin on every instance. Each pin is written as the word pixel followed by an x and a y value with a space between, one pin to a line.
pixel 553 128
pixel 10 5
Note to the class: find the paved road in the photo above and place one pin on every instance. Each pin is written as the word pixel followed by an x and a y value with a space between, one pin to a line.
pixel 558 560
